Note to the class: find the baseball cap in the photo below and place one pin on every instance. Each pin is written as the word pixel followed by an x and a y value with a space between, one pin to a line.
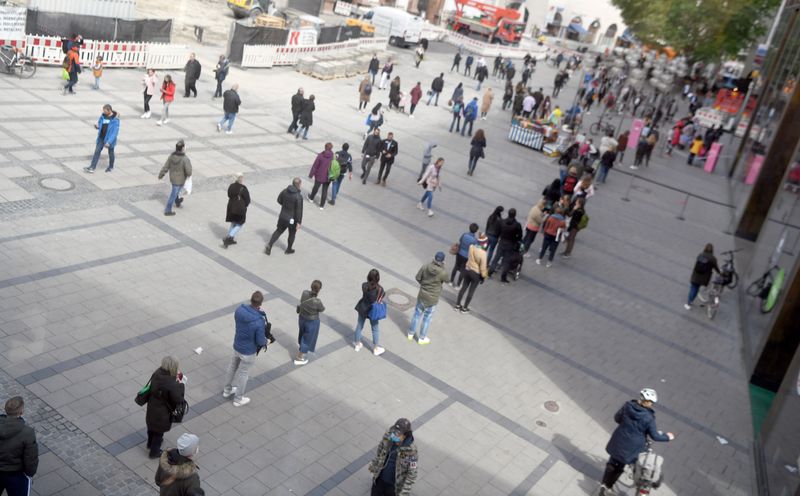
pixel 439 256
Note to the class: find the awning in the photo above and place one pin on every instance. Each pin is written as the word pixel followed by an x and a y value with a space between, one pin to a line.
pixel 578 28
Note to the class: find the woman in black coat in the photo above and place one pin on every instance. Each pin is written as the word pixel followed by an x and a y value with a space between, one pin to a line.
pixel 552 193
pixel 167 387
pixel 704 265
pixel 238 201
pixel 394 93
pixel 306 117
pixel 477 145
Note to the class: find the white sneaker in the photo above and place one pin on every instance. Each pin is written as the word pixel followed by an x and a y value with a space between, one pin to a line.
pixel 527 255
pixel 538 261
pixel 147 115
pixel 358 346
pixel 430 213
pixel 228 132
pixel 219 127
pixel 143 116
pixel 410 337
pixel 158 123
pixel 635 167
pixel 322 208
pixel 245 400
pixel 425 340
pixel 549 264
pixel 378 351
pixel 228 395
pixel 687 306
pixel 483 118
pixel 166 121
pixel 411 116
pixel 419 206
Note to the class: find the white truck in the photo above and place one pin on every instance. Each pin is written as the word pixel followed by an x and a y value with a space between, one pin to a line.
pixel 402 29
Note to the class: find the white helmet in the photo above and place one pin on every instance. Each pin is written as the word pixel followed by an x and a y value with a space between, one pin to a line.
pixel 648 394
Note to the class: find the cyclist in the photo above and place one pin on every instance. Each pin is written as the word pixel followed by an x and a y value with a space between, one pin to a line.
pixel 637 421
pixel 705 264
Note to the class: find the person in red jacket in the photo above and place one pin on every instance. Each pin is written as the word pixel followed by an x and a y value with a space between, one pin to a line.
pixel 167 96
pixel 553 228
pixel 416 95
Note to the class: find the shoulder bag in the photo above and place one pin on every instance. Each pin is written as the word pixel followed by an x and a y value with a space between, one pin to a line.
pixel 378 309
pixel 143 396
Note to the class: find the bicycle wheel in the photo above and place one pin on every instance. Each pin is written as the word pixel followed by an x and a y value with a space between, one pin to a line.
pixel 755 288
pixel 712 307
pixel 595 128
pixel 768 303
pixel 25 68
pixel 734 280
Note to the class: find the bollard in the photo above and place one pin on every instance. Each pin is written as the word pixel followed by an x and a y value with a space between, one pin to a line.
pixel 627 191
pixel 685 202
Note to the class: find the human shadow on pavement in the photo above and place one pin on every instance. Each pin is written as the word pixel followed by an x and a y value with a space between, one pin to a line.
pixel 588 465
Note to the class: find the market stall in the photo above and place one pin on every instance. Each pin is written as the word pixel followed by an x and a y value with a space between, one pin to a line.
pixel 533 133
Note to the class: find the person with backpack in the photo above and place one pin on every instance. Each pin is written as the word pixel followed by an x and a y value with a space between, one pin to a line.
pixel 308 322
pixel 430 277
pixel 341 166
pixel 107 130
pixel 167 97
pixel 636 422
pixel 457 109
pixel 220 73
pixel 704 266
pixel 462 251
pixel 437 85
pixel 71 64
pixel 577 222
pixel 470 114
pixel 553 228
pixel 297 106
pixel 149 82
pixel 364 93
pixel 167 388
pixel 320 172
pixel 371 293
pixel 236 213
pixel 568 187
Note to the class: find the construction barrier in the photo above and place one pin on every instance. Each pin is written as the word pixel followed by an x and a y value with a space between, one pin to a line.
pixel 272 55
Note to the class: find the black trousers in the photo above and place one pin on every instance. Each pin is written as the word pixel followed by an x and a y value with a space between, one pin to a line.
pixel 154 440
pixel 293 125
pixel 471 281
pixel 282 226
pixel 314 190
pixel 218 91
pixel 461 262
pixel 147 101
pixel 387 164
pixel 504 249
pixel 190 88
pixel 527 241
pixel 380 488
pixel 614 469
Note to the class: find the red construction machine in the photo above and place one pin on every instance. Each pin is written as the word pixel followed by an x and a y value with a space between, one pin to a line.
pixel 494 24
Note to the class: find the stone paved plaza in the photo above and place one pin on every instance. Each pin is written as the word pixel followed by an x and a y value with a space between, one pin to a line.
pixel 96 285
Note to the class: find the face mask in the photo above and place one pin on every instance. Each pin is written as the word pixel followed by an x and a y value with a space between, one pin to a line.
pixel 394 437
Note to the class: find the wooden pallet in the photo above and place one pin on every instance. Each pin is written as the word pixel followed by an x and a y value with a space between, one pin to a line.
pixel 268 21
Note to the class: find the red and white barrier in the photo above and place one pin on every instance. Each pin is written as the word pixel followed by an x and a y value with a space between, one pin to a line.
pixel 272 55
pixel 46 50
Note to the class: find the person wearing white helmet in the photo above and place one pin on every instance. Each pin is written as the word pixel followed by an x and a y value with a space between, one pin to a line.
pixel 637 421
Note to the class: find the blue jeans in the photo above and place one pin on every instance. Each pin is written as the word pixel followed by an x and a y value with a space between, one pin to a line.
pixel 427 315
pixel 229 117
pixel 304 130
pixel 335 188
pixel 429 197
pixel 99 148
pixel 602 173
pixel 173 195
pixel 431 97
pixel 307 337
pixel 693 290
pixel 456 122
pixel 234 230
pixel 464 128
pixel 548 243
pixel 96 83
pixel 376 334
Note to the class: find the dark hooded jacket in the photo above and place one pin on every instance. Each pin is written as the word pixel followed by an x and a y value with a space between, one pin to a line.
pixel 635 424
pixel 177 475
pixel 291 202
pixel 165 395
pixel 510 231
pixel 18 449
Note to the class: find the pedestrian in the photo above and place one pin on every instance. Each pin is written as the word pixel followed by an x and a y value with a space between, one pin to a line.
pixel 220 73
pixel 290 216
pixel 72 66
pixel 430 181
pixel 149 82
pixel 584 189
pixel 636 422
pixel 536 217
pixel 486 103
pixel 167 388
pixel 552 193
pixel 456 62
pixel 553 228
pixel 177 473
pixel 509 240
pixel 437 85
pixel 475 273
pixel 544 108
pixel 250 337
pixel 462 252
pixel 568 186
pixel 468 65
pixel 477 146
pixel 19 452
pixel 306 118
pixel 498 61
pixel 192 71
pixel 167 97
pixel 416 95
pixel 107 130
pixel 394 93
pixel 470 114
pixel 230 107
pixel 371 293
pixel 510 71
pixel 419 54
pixel 308 322
pixel 527 105
pixel 394 468
pixel 458 94
pixel 457 110
pixel 374 65
pixel 345 162
pixel 538 96
pixel 389 149
pixel 493 230
pixel 577 222
pixel 297 107
pixel 236 213
pixel 180 170
pixel 97 71
pixel 386 73
pixel 641 149
pixel 374 119
pixel 427 155
pixel 320 172
pixel 518 104
pixel 608 142
pixel 695 149
pixel 364 93
pixel 652 139
pixel 622 144
pixel 704 265
pixel 606 163
pixel 481 74
pixel 508 95
pixel 558 83
pixel 371 149
pixel 430 277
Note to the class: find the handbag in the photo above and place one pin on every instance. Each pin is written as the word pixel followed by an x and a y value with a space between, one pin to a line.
pixel 143 396
pixel 454 248
pixel 176 416
pixel 378 309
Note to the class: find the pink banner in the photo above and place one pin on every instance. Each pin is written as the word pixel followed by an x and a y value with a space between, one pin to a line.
pixel 636 130
pixel 711 158
pixel 755 168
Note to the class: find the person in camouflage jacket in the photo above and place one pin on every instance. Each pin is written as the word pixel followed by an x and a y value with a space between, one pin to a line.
pixel 394 469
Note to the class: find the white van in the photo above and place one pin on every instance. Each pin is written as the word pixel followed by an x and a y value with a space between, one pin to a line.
pixel 402 28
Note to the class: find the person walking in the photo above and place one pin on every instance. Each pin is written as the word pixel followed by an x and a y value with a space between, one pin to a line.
pixel 386 74
pixel 641 150
pixel 528 104
pixel 652 139
pixel 606 163
pixel 308 322
pixel 180 170
pixel 167 387
pixel 468 65
pixel 457 110
pixel 107 131
pixel 192 71
pixel 622 144
pixel 297 107
pixel 369 152
pixel 456 62
pixel 374 65
pixel 486 103
pixel 320 172
pixel 249 338
pixel 509 240
pixel 508 96
pixel 577 222
pixel 427 155
pixel 544 108
pixel 437 85
pixel 230 107
pixel 419 54
pixel 290 217
pixel 430 277
pixel 389 149
pixel 470 114
pixel 694 150
pixel 462 251
pixel 553 228
pixel 636 422
pixel 167 97
pixel 394 93
pixel 19 452
pixel 345 169
pixel 72 64
pixel 704 266
pixel 394 468
pixel 220 73
pixel 177 473
pixel 374 119
pixel 97 71
pixel 477 146
pixel 431 180
pixel 493 230
pixel 371 292
pixel 364 94
pixel 481 73
pixel 236 213
pixel 149 82
pixel 476 271
pixel 416 95
pixel 536 217
pixel 306 118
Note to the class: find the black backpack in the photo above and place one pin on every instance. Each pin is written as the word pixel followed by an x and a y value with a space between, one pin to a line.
pixel 703 264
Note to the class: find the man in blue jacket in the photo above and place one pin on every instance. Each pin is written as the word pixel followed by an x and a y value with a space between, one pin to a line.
pixel 250 337
pixel 107 130
pixel 637 421
pixel 470 114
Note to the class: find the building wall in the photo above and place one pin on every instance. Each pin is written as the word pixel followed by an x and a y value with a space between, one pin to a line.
pixel 542 11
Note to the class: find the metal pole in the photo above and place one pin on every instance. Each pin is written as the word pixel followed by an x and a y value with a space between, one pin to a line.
pixel 683 210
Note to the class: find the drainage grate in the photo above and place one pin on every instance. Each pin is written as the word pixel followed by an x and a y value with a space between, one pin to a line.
pixel 541 423
pixel 551 406
pixel 56 184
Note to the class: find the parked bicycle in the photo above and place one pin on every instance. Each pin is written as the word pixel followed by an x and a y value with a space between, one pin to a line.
pixel 728 277
pixel 14 61
pixel 768 287
pixel 602 128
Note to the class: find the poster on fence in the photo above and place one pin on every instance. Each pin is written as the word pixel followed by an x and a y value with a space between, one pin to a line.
pixel 342 8
pixel 302 37
pixel 12 22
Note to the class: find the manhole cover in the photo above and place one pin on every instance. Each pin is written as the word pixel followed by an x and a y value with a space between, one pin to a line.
pixel 56 184
pixel 641 188
pixel 551 406
pixel 541 423
pixel 400 299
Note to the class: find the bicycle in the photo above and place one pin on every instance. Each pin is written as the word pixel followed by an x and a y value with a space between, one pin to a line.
pixel 728 277
pixel 768 287
pixel 646 473
pixel 14 62
pixel 602 128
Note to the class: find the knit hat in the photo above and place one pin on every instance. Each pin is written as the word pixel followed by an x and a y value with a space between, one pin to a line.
pixel 439 256
pixel 483 241
pixel 403 425
pixel 188 444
